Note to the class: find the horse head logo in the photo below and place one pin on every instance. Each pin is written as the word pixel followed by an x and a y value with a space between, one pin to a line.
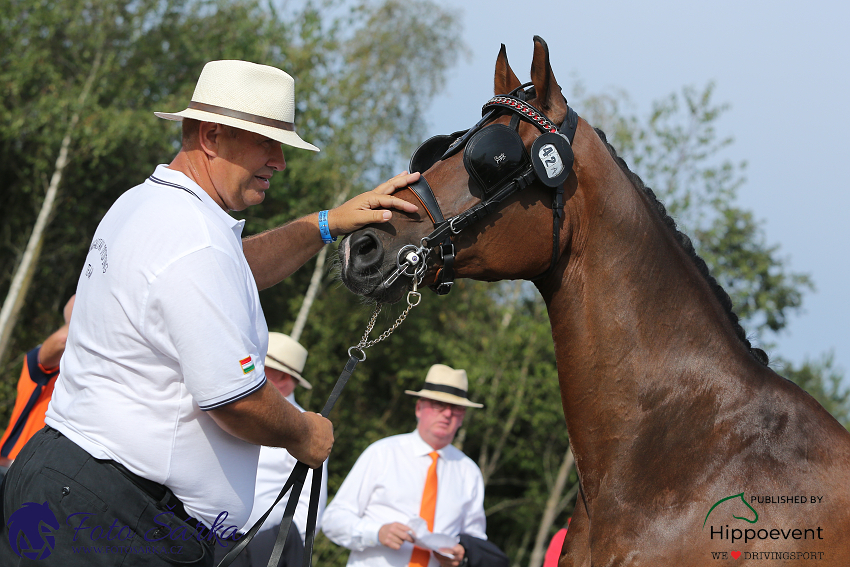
pixel 734 496
pixel 30 530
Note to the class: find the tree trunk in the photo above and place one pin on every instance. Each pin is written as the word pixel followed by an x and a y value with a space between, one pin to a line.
pixel 24 273
pixel 553 507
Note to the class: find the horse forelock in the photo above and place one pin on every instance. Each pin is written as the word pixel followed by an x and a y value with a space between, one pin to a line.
pixel 686 244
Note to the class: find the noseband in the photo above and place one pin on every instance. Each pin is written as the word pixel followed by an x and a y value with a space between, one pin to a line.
pixel 496 160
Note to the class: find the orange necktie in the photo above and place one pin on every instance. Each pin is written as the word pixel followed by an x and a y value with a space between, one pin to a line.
pixel 420 557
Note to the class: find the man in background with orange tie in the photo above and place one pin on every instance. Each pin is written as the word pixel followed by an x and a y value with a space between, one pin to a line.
pixel 409 476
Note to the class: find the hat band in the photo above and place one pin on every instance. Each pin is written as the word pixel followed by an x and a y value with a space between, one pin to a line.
pixel 285 365
pixel 280 124
pixel 445 389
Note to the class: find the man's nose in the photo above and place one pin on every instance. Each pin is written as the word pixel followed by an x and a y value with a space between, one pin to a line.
pixel 276 160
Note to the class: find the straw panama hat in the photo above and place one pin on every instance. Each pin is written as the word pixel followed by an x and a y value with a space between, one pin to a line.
pixel 252 97
pixel 287 355
pixel 445 384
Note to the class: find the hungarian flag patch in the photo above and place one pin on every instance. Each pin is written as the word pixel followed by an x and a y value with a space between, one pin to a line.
pixel 247 365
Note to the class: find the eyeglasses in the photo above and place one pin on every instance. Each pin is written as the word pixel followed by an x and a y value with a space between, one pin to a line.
pixel 440 407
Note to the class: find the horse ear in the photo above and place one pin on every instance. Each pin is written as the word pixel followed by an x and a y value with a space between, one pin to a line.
pixel 549 97
pixel 505 80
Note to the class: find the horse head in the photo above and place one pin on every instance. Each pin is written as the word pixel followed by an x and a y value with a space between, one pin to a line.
pixel 471 217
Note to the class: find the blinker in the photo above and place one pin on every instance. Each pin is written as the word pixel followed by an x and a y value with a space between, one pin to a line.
pixel 431 151
pixel 494 155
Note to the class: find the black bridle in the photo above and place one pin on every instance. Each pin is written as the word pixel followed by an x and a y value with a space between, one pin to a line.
pixel 498 180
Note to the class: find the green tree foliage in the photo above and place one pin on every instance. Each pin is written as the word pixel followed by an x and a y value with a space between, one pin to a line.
pixel 821 379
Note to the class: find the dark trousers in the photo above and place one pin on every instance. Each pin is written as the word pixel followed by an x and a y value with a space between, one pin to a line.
pixel 62 507
pixel 259 550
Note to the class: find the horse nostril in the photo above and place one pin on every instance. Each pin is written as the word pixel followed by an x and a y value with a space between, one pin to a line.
pixel 367 253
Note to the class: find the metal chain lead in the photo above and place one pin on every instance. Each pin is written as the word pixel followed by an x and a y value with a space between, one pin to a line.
pixel 413 299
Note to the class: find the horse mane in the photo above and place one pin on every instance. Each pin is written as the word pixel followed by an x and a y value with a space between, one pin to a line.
pixel 685 241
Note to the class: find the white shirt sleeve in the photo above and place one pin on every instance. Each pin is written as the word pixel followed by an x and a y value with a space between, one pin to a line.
pixel 200 302
pixel 475 521
pixel 344 522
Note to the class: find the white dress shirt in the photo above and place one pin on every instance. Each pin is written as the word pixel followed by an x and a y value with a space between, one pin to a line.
pixel 274 468
pixel 385 485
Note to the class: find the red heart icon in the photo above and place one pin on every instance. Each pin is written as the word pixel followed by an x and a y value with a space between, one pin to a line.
pixel 736 554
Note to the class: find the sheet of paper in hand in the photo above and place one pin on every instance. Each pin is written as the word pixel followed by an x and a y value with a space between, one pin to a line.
pixel 427 540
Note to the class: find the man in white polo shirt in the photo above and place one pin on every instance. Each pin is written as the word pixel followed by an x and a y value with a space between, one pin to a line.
pixel 405 486
pixel 156 421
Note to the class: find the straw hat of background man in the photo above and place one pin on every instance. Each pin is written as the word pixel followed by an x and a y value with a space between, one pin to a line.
pixel 285 362
pixel 227 93
pixel 445 384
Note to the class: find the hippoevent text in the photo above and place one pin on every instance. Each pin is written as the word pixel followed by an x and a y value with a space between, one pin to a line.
pixel 751 534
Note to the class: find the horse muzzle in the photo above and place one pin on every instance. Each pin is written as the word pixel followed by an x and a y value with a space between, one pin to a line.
pixel 368 270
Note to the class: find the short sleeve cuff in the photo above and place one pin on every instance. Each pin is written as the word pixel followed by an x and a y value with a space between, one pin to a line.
pixel 219 401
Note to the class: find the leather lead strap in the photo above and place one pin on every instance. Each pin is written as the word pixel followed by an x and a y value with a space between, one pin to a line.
pixel 296 483
pixel 312 517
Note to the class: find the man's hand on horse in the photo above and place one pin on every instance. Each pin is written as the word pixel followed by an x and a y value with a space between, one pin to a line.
pixel 372 206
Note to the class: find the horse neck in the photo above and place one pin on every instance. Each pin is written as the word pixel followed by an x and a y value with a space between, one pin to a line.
pixel 632 318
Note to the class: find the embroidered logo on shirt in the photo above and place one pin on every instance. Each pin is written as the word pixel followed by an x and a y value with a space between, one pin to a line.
pixel 100 246
pixel 247 365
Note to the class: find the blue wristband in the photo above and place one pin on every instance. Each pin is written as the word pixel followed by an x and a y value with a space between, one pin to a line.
pixel 324 229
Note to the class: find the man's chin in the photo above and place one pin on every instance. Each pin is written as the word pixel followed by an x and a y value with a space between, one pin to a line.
pixel 444 434
pixel 254 197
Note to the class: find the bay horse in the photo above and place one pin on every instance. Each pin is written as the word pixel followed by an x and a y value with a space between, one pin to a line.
pixel 689 449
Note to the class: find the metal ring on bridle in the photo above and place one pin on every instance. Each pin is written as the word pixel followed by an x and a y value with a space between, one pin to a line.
pixel 412 257
pixel 362 353
pixel 408 256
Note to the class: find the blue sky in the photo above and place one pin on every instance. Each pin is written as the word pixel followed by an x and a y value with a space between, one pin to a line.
pixel 782 67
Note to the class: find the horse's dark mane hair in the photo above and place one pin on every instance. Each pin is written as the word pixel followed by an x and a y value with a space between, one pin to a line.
pixel 688 246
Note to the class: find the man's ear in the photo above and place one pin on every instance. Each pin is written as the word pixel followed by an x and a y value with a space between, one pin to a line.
pixel 209 137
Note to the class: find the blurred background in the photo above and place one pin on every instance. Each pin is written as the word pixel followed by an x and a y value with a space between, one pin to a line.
pixel 734 115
